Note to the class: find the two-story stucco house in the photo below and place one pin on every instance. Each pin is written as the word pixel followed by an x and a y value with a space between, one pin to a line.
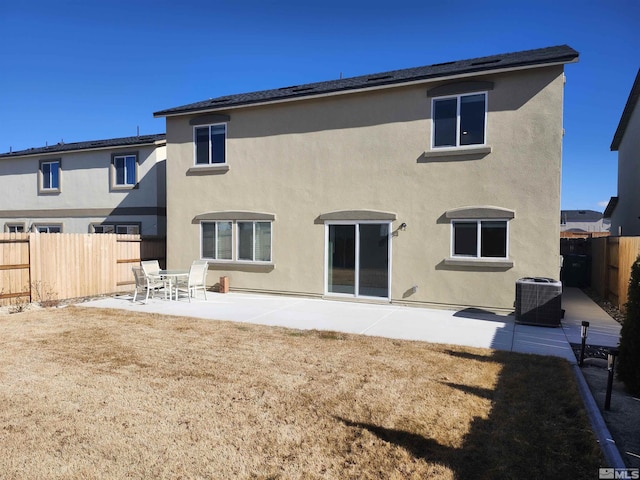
pixel 104 186
pixel 624 210
pixel 434 186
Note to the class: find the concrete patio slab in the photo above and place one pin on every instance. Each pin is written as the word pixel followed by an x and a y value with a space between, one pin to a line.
pixel 469 327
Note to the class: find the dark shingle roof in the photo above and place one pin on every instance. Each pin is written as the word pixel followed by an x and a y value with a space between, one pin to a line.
pixel 528 58
pixel 632 101
pixel 90 145
pixel 580 215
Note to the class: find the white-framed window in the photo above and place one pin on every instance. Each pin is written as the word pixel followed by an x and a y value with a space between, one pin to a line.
pixel 251 239
pixel 459 120
pixel 480 239
pixel 49 176
pixel 210 144
pixel 217 240
pixel 127 229
pixel 124 172
pixel 42 228
pixel 14 227
pixel 254 241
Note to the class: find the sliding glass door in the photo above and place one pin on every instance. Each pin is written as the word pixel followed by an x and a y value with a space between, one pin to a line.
pixel 358 259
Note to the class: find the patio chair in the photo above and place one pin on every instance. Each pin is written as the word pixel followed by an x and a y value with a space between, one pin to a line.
pixel 151 268
pixel 147 283
pixel 197 280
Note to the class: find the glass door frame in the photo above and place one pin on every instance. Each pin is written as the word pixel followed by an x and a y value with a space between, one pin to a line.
pixel 357 224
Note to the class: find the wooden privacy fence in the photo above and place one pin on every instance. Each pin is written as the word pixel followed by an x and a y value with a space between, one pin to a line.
pixel 37 267
pixel 611 261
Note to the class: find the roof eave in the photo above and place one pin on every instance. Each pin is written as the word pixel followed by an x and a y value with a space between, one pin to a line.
pixel 629 107
pixel 168 113
pixel 611 206
pixel 88 149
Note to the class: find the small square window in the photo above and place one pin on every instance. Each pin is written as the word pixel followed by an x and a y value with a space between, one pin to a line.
pixel 460 120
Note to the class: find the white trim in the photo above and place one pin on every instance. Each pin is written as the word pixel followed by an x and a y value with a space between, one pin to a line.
pixel 366 89
pixel 458 146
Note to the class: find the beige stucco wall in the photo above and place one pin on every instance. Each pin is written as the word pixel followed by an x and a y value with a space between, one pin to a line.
pixel 624 219
pixel 366 151
pixel 85 194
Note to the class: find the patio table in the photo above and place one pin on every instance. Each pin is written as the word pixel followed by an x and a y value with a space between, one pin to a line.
pixel 173 276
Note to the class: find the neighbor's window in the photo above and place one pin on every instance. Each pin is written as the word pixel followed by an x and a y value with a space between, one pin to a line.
pixel 124 167
pixel 14 227
pixel 210 144
pixel 459 120
pixel 48 228
pixel 129 229
pixel 103 228
pixel 50 175
pixel 251 238
pixel 479 238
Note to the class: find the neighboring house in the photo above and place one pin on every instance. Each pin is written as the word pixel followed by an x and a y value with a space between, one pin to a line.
pixel 583 221
pixel 624 210
pixel 102 186
pixel 434 186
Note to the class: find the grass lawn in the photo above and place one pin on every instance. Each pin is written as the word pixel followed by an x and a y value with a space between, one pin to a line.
pixel 92 393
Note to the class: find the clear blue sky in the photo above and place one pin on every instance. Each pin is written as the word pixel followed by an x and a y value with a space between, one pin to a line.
pixel 88 69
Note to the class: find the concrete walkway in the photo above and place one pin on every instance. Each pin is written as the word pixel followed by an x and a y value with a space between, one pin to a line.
pixel 466 327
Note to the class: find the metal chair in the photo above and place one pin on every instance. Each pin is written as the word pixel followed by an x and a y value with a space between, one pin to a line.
pixel 197 280
pixel 145 282
pixel 151 268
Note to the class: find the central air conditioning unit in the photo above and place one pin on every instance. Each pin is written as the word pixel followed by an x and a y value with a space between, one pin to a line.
pixel 539 301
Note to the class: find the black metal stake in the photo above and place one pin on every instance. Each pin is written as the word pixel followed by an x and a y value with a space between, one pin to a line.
pixel 584 330
pixel 611 365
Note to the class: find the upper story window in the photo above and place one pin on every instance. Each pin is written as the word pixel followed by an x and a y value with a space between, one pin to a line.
pixel 124 171
pixel 480 238
pixel 210 144
pixel 49 176
pixel 459 120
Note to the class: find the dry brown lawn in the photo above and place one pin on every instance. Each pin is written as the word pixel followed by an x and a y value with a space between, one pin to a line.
pixel 91 393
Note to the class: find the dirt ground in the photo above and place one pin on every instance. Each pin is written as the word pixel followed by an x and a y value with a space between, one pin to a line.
pixel 623 418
